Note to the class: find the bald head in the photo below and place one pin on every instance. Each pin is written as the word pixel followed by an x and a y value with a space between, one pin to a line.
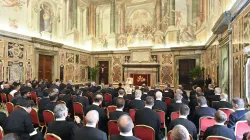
pixel 125 124
pixel 158 95
pixel 217 90
pixel 92 117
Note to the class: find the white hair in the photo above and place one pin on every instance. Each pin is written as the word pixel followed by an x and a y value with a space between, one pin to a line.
pixel 180 133
pixel 179 91
pixel 158 95
pixel 217 90
pixel 223 96
pixel 138 93
pixel 59 110
pixel 247 116
pixel 92 117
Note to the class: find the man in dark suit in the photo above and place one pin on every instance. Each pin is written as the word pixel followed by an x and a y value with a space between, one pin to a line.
pixel 182 120
pixel 103 119
pixel 239 113
pixel 53 96
pixel 176 105
pixel 121 94
pixel 168 92
pixel 223 102
pixel 193 91
pixel 42 104
pixel 19 122
pixel 90 132
pixel 65 130
pixel 219 129
pixel 85 93
pixel 208 81
pixel 204 110
pixel 93 87
pixel 111 90
pixel 80 99
pixel 119 87
pixel 185 101
pixel 17 96
pixel 125 125
pixel 158 103
pixel 193 103
pixel 120 103
pixel 147 116
pixel 215 97
pixel 184 93
pixel 210 91
pixel 151 92
pixel 137 103
pixel 144 93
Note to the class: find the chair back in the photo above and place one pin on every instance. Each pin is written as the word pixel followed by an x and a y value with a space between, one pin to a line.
pixel 241 127
pixel 214 102
pixel 1 133
pixel 171 138
pixel 217 138
pixel 111 108
pixel 86 99
pixel 60 102
pixel 48 116
pixel 107 97
pixel 113 128
pixel 227 111
pixel 175 115
pixel 33 96
pixel 17 107
pixel 37 101
pixel 50 136
pixel 132 114
pixel 4 98
pixel 34 117
pixel 144 132
pixel 10 97
pixel 78 108
pixel 204 123
pixel 90 94
pixel 168 101
pixel 10 107
pixel 73 96
pixel 162 116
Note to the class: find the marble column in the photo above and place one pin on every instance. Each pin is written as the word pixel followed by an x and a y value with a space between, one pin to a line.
pixel 171 13
pixel 158 14
pixel 97 26
pixel 230 63
pixel 92 19
pixel 74 14
pixel 112 16
pixel 122 18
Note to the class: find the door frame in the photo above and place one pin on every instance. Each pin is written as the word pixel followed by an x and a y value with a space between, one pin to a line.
pixel 176 65
pixel 109 59
pixel 55 66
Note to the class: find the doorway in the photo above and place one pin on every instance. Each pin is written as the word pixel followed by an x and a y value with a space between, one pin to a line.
pixel 103 72
pixel 45 67
pixel 184 66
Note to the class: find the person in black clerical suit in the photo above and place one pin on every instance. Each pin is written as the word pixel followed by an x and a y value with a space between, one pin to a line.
pixel 144 93
pixel 182 120
pixel 111 90
pixel 208 81
pixel 68 100
pixel 239 113
pixel 121 94
pixel 210 91
pixel 182 100
pixel 193 92
pixel 215 97
pixel 119 87
pixel 19 122
pixel 103 119
pixel 120 103
pixel 193 103
pixel 65 130
pixel 90 132
pixel 167 92
pixel 137 103
pixel 147 116
pixel 42 104
pixel 158 103
pixel 151 92
pixel 80 99
pixel 176 105
pixel 219 129
pixel 53 96
pixel 223 102
pixel 204 110
pixel 85 93
pixel 17 96
pixel 125 125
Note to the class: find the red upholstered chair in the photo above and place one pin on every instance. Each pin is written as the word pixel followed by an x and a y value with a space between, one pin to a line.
pixel 4 98
pixel 175 115
pixel 35 119
pixel 50 136
pixel 60 102
pixel 197 107
pixel 132 114
pixel 17 107
pixel 90 94
pixel 170 136
pixel 1 133
pixel 227 111
pixel 113 128
pixel 73 96
pixel 48 116
pixel 107 98
pixel 10 107
pixel 204 123
pixel 168 101
pixel 33 96
pixel 162 116
pixel 217 138
pixel 241 127
pixel 61 95
pixel 111 108
pixel 144 132
pixel 78 109
pixel 10 97
pixel 37 101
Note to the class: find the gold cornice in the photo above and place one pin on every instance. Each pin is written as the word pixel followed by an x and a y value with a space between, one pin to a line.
pixel 46 42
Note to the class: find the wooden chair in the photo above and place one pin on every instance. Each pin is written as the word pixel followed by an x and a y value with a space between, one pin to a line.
pixel 107 98
pixel 73 96
pixel 1 133
pixel 170 136
pixel 48 116
pixel 10 97
pixel 10 107
pixel 162 116
pixel 168 101
pixel 175 115
pixel 113 128
pixel 60 102
pixel 17 107
pixel 33 96
pixel 4 98
pixel 227 111
pixel 217 138
pixel 144 132
pixel 132 114
pixel 204 123
pixel 111 108
pixel 35 119
pixel 241 127
pixel 37 101
pixel 51 136
pixel 78 109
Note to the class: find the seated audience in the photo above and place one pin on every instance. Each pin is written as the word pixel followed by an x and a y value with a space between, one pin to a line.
pixel 178 91
pixel 223 102
pixel 194 103
pixel 204 110
pixel 6 89
pixel 219 129
pixel 65 130
pixel 120 103
pixel 125 125
pixel 184 93
pixel 111 90
pixel 90 132
pixel 180 133
pixel 144 93
pixel 151 92
pixel 239 113
pixel 103 119
pixel 53 96
pixel 182 120
pixel 80 99
pixel 3 117
pixel 137 103
pixel 147 116
pixel 85 93
pixel 129 95
pixel 62 88
pixel 175 106
pixel 19 122
pixel 121 94
pixel 10 136
pixel 16 97
pixel 25 93
pixel 158 103
pixel 210 91
pixel 42 104
pixel 247 116
pixel 119 87
pixel 193 92
pixel 215 97
pixel 168 92
pixel 16 88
